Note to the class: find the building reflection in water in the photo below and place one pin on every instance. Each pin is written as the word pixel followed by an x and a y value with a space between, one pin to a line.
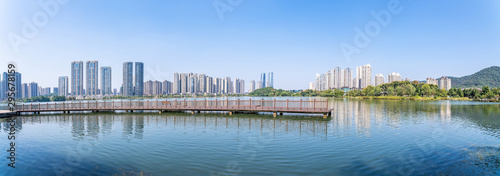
pixel 445 111
pixel 359 116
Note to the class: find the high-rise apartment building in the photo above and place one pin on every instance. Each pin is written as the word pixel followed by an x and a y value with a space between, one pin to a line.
pixel 239 86
pixel 445 83
pixel 33 89
pixel 128 84
pixel 431 81
pixel 202 83
pixel 393 77
pixel 148 88
pixel 252 86
pixel 4 86
pixel 263 79
pixel 139 79
pixel 25 90
pixel 337 78
pixel 76 78
pixel 177 84
pixel 347 78
pixel 45 91
pixel 321 82
pixel 330 79
pixel 311 85
pixel 260 85
pixel 364 75
pixel 63 86
pixel 184 83
pixel 56 90
pixel 106 81
pixel 318 81
pixel 157 88
pixel 92 79
pixel 167 87
pixel 218 85
pixel 210 85
pixel 270 77
pixel 379 79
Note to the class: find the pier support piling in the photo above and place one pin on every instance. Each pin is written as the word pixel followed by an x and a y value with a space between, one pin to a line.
pixel 274 114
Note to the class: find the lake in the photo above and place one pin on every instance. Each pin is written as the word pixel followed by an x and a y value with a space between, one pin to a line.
pixel 362 137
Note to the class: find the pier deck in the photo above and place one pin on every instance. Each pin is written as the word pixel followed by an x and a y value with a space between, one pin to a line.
pixel 274 106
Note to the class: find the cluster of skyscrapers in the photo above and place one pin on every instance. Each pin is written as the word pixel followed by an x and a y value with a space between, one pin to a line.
pixel 84 81
pixel 192 83
pixel 91 87
pixel 338 78
pixel 443 82
pixel 22 90
pixel 265 81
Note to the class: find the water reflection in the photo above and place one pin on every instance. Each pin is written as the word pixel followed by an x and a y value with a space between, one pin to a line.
pixel 362 137
pixel 349 117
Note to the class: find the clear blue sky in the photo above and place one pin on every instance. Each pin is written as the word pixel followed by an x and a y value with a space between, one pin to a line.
pixel 294 39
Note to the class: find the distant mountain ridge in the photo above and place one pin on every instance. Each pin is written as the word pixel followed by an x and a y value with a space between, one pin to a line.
pixel 486 77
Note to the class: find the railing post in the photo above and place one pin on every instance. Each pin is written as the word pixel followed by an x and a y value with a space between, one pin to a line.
pixel 326 105
pixel 175 103
pixel 314 104
pixel 274 104
pixel 147 103
pixel 250 103
pixel 39 107
pixel 215 103
pixel 194 103
pixel 47 106
pixel 227 103
pixel 122 104
pixel 62 107
pixel 286 104
pixel 262 104
pixel 185 104
pixel 156 103
pixel 130 104
pixel 238 103
pixel 300 104
pixel 88 104
pixel 205 103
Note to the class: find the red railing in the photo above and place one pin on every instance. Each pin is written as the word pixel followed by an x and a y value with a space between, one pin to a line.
pixel 181 104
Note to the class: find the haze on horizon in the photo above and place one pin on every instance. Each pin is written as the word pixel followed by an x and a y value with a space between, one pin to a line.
pixel 294 39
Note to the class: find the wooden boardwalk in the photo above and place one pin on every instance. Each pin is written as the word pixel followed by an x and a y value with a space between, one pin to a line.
pixel 261 105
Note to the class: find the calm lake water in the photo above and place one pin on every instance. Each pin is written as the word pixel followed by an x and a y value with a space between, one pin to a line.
pixel 362 137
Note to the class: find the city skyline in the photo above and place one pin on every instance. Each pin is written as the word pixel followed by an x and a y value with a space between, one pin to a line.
pixel 155 36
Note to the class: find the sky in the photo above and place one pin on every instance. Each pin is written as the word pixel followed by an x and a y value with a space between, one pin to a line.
pixel 294 39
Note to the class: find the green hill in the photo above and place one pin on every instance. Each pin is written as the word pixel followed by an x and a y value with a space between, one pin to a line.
pixel 486 77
